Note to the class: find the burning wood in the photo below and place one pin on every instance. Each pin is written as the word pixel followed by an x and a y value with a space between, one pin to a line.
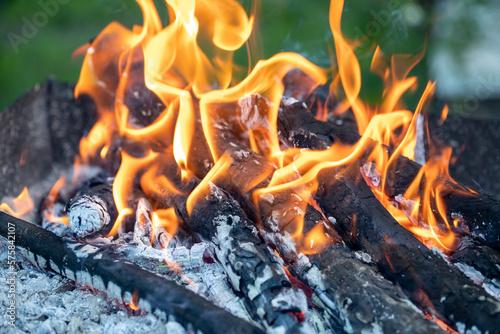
pixel 92 210
pixel 277 209
pixel 90 266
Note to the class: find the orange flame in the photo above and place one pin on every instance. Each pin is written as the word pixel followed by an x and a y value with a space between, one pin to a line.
pixel 20 206
pixel 50 201
pixel 187 67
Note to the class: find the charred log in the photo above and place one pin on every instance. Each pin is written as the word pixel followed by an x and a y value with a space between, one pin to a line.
pixel 106 272
pixel 57 122
pixel 252 267
pixel 365 301
pixel 364 224
pixel 93 210
pixel 480 214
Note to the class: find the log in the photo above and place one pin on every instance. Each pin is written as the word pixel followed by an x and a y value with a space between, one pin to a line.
pixel 480 213
pixel 253 268
pixel 40 132
pixel 93 211
pixel 364 224
pixel 365 301
pixel 107 272
pixel 383 296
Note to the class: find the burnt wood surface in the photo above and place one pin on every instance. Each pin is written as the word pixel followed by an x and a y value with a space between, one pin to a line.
pixel 475 145
pixel 41 131
pixel 481 213
pixel 367 300
pixel 253 268
pixel 364 224
pixel 106 271
pixel 93 210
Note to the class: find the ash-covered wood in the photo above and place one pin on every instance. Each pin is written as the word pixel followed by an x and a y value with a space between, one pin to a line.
pixel 437 287
pixel 480 263
pixel 143 228
pixel 366 301
pixel 355 297
pixel 39 131
pixel 93 210
pixel 480 214
pixel 253 268
pixel 105 271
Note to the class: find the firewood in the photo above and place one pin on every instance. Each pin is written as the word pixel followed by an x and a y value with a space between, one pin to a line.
pixel 424 275
pixel 355 297
pixel 253 268
pixel 40 131
pixel 143 228
pixel 364 300
pixel 107 272
pixel 93 211
pixel 480 214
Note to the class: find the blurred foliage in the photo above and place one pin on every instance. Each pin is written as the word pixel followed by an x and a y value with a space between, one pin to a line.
pixel 283 25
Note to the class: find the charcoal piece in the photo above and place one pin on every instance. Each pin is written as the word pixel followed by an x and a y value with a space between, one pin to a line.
pixel 106 271
pixel 253 268
pixel 367 301
pixel 364 224
pixel 93 211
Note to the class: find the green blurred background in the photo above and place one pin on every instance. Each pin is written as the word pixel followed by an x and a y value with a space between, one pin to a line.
pixel 450 27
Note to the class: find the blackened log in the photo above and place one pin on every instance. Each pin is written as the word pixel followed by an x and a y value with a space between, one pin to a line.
pixel 355 297
pixel 364 224
pixel 253 268
pixel 39 131
pixel 480 212
pixel 107 272
pixel 366 301
pixel 93 210
pixel 480 263
pixel 475 147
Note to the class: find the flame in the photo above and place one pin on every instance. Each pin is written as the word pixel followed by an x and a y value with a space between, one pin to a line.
pixel 134 301
pixel 198 127
pixel 50 201
pixel 20 206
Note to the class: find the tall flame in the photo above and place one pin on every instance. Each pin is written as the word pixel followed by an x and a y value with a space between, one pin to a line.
pixel 194 128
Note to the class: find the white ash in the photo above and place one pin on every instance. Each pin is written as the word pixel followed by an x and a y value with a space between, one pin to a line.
pixel 419 151
pixel 362 256
pixel 88 214
pixel 491 286
pixel 289 300
pixel 143 228
pixel 51 304
pixel 369 170
pixel 288 101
